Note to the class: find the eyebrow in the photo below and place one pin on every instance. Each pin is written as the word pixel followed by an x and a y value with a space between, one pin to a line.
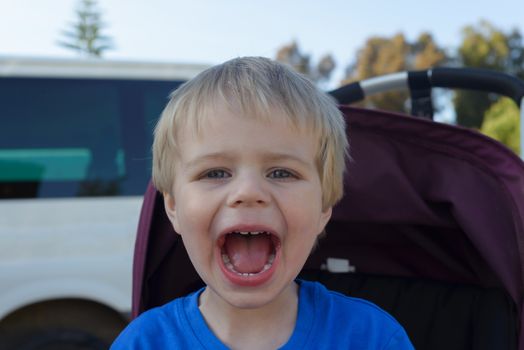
pixel 275 157
pixel 267 157
pixel 208 157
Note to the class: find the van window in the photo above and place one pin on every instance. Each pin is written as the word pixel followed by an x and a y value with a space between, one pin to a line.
pixel 67 137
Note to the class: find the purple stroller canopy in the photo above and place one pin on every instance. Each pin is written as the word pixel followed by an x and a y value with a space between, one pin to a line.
pixel 456 196
pixel 422 200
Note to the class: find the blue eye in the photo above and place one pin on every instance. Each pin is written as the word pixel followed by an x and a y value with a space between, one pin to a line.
pixel 216 174
pixel 281 174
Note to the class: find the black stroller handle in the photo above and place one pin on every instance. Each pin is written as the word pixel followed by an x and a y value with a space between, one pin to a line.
pixel 420 83
pixel 452 78
pixel 478 79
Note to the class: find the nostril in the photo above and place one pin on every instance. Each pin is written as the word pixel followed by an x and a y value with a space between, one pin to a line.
pixel 244 202
pixel 258 201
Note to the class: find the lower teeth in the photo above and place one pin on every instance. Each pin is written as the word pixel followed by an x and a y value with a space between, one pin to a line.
pixel 230 267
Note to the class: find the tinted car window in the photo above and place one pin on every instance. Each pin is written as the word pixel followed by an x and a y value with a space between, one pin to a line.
pixel 67 137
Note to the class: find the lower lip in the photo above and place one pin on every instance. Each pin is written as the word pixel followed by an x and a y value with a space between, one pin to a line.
pixel 248 281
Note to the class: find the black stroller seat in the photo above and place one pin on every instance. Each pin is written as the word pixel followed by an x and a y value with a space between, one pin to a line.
pixel 436 315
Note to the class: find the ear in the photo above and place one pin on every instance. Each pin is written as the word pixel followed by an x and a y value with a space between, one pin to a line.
pixel 324 218
pixel 169 206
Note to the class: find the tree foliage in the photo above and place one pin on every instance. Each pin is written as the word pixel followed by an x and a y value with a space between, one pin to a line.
pixel 292 55
pixel 483 46
pixel 487 47
pixel 502 122
pixel 85 36
pixel 384 55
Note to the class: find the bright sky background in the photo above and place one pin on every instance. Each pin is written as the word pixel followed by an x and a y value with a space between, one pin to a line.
pixel 206 31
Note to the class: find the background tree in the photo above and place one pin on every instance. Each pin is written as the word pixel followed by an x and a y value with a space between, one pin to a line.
pixel 502 122
pixel 85 36
pixel 301 62
pixel 383 55
pixel 485 46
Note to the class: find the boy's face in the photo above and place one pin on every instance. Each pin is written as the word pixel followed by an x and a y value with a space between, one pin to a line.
pixel 247 202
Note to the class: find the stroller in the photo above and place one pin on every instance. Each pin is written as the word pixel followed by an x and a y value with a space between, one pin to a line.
pixel 431 227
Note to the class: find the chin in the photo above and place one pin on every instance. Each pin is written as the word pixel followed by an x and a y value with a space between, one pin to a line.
pixel 251 300
pixel 254 298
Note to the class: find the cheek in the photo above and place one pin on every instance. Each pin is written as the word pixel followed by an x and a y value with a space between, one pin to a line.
pixel 305 212
pixel 193 217
pixel 304 221
pixel 194 224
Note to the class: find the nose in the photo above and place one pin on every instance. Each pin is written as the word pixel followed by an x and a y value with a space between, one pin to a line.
pixel 248 190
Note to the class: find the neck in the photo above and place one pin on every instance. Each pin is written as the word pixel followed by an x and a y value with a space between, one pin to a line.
pixel 265 327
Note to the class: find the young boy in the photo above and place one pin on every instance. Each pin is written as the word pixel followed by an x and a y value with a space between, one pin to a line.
pixel 250 158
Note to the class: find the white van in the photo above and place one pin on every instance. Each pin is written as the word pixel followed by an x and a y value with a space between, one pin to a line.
pixel 75 158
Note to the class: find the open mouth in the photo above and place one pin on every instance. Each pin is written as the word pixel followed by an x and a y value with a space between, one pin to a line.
pixel 248 255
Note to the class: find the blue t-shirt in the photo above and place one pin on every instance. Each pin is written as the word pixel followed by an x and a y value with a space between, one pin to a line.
pixel 326 320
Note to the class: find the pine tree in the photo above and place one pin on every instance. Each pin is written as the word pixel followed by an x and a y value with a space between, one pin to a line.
pixel 85 35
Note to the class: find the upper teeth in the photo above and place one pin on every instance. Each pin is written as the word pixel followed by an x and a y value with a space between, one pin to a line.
pixel 251 232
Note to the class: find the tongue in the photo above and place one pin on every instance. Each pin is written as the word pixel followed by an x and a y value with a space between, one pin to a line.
pixel 247 253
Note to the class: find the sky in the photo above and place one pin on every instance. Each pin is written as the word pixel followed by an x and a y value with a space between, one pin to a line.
pixel 210 32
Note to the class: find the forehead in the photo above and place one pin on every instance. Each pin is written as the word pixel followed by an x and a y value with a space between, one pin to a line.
pixel 221 130
pixel 205 116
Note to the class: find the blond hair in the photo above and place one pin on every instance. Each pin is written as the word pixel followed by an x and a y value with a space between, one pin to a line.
pixel 255 86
